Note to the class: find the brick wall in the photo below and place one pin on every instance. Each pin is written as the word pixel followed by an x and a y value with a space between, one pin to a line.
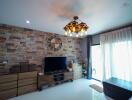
pixel 21 44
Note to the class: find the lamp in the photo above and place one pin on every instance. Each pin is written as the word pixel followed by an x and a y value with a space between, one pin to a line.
pixel 74 28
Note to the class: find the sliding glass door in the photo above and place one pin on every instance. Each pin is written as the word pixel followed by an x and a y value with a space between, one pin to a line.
pixel 97 71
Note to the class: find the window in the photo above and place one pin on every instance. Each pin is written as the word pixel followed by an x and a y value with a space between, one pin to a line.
pixel 115 61
pixel 121 60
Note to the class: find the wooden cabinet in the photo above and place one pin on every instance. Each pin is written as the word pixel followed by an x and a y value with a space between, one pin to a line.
pixel 8 86
pixel 68 76
pixel 77 71
pixel 27 82
pixel 45 80
pixel 17 84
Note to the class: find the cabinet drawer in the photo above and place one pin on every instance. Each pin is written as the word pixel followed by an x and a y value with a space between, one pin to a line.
pixel 8 94
pixel 7 86
pixel 27 89
pixel 8 78
pixel 68 74
pixel 27 81
pixel 45 79
pixel 27 75
pixel 48 77
pixel 42 82
pixel 68 78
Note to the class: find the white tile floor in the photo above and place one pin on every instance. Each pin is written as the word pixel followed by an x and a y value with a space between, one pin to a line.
pixel 76 90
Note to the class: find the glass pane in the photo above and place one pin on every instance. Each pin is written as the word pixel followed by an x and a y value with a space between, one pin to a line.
pixel 97 72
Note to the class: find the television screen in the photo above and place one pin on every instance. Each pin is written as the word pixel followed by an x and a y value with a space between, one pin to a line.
pixel 54 64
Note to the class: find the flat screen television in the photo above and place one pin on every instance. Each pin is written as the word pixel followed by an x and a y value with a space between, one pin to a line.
pixel 52 64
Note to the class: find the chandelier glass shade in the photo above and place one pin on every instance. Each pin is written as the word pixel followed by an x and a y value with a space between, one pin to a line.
pixel 74 28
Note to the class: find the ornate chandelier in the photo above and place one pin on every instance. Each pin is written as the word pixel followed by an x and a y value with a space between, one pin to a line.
pixel 74 28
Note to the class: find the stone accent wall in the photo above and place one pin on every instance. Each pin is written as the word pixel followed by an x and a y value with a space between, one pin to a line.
pixel 21 44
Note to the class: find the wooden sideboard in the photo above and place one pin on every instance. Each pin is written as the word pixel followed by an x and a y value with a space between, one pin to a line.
pixel 17 84
pixel 21 83
pixel 8 86
pixel 53 79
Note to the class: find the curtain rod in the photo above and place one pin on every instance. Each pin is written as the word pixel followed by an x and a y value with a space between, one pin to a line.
pixel 113 29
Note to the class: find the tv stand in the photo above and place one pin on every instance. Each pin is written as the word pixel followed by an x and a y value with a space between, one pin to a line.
pixel 54 78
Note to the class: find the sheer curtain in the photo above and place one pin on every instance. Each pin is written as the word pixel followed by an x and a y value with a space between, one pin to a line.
pixel 116 50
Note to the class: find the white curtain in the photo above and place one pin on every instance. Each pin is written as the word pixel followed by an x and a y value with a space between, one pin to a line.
pixel 116 50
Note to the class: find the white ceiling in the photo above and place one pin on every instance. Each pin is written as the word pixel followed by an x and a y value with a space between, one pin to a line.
pixel 52 15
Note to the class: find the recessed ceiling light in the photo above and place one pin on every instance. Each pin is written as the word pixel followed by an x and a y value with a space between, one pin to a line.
pixel 27 21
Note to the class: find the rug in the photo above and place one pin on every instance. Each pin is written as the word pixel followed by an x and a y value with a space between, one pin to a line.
pixel 97 88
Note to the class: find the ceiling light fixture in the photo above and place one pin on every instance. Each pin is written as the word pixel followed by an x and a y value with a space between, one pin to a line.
pixel 74 28
pixel 27 21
